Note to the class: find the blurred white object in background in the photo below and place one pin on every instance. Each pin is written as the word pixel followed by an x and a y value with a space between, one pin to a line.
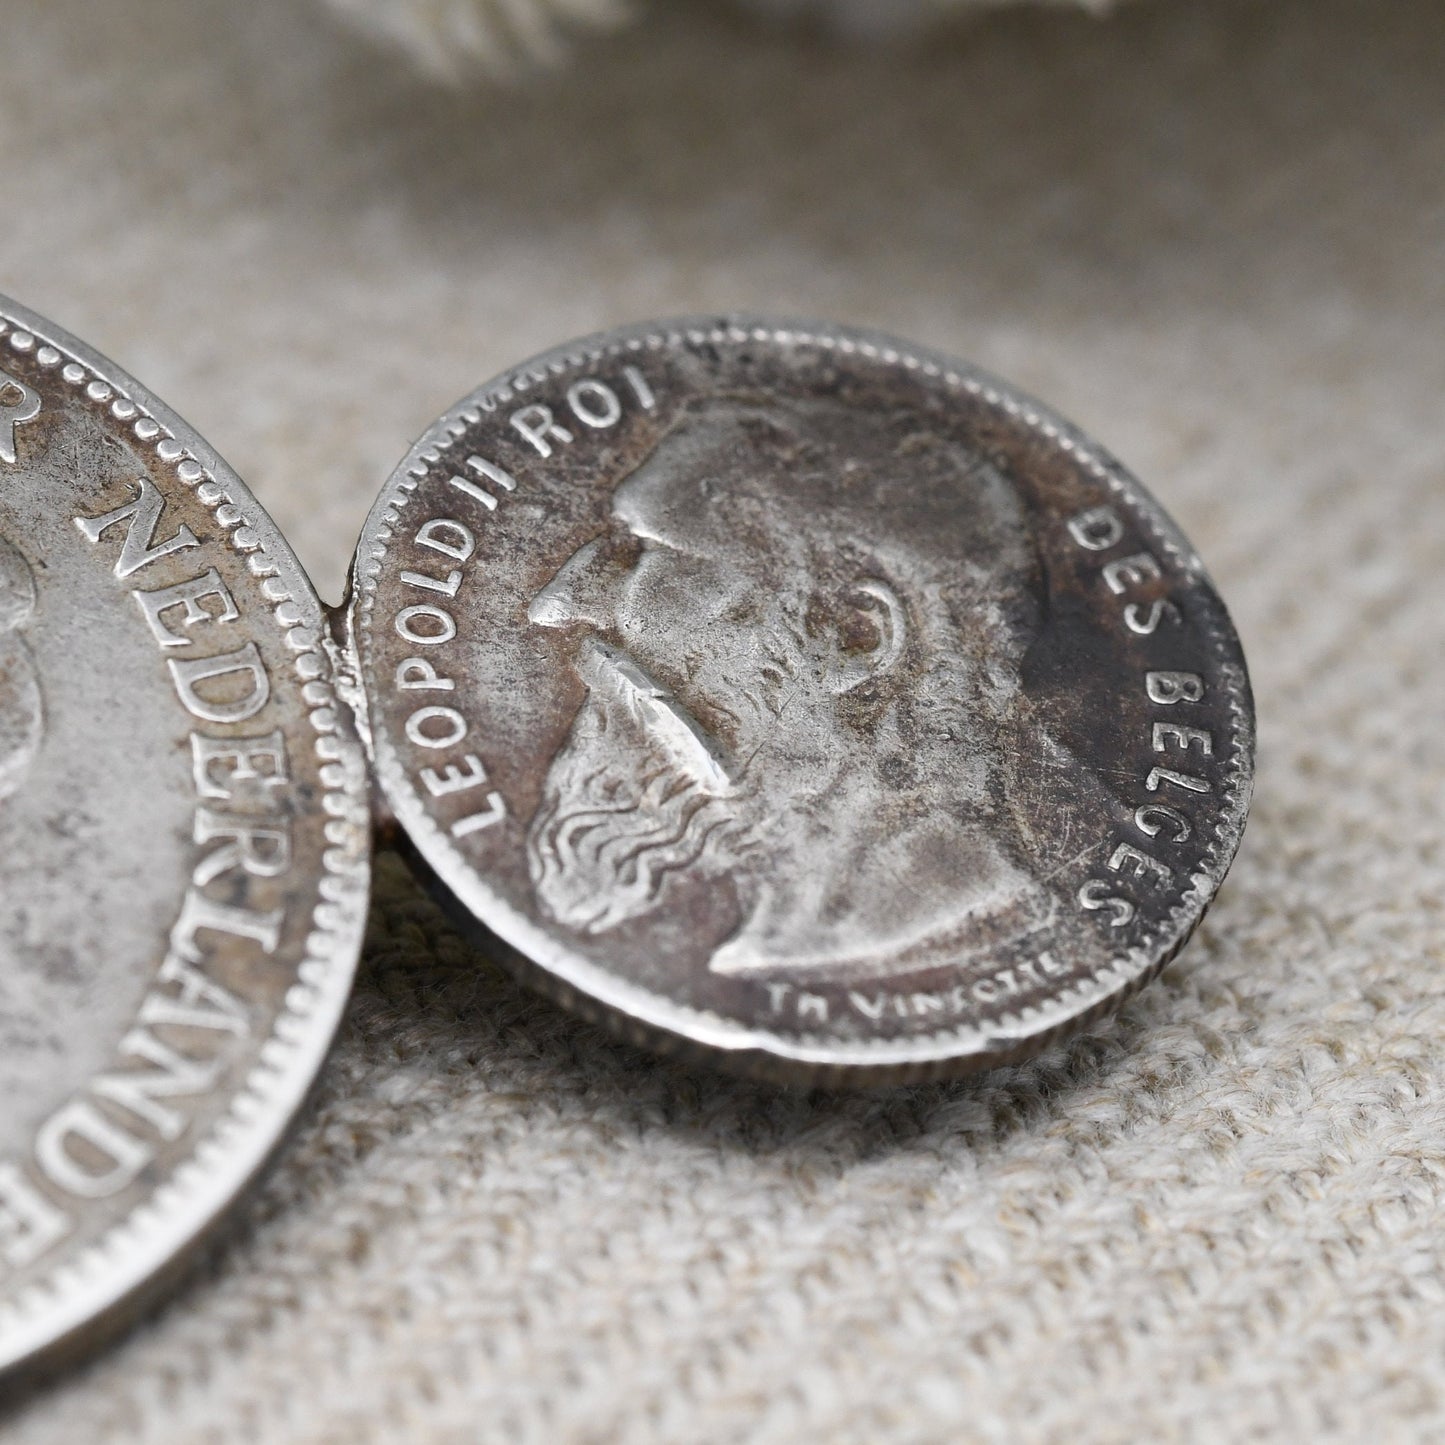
pixel 452 39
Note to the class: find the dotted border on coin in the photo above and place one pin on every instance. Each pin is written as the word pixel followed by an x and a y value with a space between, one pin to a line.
pixel 1073 1004
pixel 326 943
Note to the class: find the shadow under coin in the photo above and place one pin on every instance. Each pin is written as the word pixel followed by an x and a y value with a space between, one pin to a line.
pixel 430 997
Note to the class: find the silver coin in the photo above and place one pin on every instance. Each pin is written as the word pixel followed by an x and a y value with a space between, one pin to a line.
pixel 800 696
pixel 183 840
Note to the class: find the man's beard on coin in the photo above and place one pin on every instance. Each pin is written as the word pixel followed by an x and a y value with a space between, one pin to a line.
pixel 620 814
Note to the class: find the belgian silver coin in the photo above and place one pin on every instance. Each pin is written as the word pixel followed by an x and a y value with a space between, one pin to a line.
pixel 183 840
pixel 798 695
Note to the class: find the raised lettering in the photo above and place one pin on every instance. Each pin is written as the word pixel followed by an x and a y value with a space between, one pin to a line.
pixel 1129 861
pixel 1097 896
pixel 188 595
pixel 1169 688
pixel 425 625
pixel 493 473
pixel 82 1152
pixel 813 1005
pixel 261 850
pixel 199 913
pixel 1183 738
pixel 226 704
pixel 139 1091
pixel 29 1222
pixel 199 1002
pixel 1128 571
pixel 871 1008
pixel 480 494
pixel 594 404
pixel 141 517
pixel 536 425
pixel 250 764
pixel 449 538
pixel 1159 776
pixel 416 674
pixel 494 812
pixel 777 993
pixel 1096 530
pixel 18 405
pixel 1151 819
pixel 447 586
pixel 452 779
pixel 640 389
pixel 1146 624
pixel 421 727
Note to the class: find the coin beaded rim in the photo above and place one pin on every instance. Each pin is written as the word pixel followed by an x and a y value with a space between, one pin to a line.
pixel 1012 1030
pixel 225 1159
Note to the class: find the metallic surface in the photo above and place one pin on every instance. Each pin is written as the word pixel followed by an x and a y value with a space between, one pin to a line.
pixel 790 693
pixel 183 840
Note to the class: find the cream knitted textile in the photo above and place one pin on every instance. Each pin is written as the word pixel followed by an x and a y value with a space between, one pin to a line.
pixel 1209 231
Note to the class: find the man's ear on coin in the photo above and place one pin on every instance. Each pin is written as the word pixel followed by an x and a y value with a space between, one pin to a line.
pixel 868 632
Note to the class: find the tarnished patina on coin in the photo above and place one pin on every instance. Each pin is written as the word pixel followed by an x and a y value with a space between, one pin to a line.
pixel 796 694
pixel 183 839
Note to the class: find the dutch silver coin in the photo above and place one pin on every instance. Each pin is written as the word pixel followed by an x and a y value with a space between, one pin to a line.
pixel 797 695
pixel 183 840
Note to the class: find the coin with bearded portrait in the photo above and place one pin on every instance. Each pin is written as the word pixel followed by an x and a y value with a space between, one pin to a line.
pixel 796 696
pixel 183 841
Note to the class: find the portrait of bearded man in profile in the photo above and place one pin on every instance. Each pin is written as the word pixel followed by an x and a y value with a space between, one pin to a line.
pixel 801 640
pixel 20 710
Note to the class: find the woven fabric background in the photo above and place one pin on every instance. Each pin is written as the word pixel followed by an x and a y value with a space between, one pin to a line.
pixel 1213 233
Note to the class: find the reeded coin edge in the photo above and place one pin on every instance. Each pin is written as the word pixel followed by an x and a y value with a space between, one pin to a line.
pixel 130 1253
pixel 1012 1033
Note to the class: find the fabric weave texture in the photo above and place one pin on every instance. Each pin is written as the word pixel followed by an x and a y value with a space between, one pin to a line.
pixel 1209 232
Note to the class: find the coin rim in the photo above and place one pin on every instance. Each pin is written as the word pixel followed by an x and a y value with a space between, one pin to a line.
pixel 535 954
pixel 100 1280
